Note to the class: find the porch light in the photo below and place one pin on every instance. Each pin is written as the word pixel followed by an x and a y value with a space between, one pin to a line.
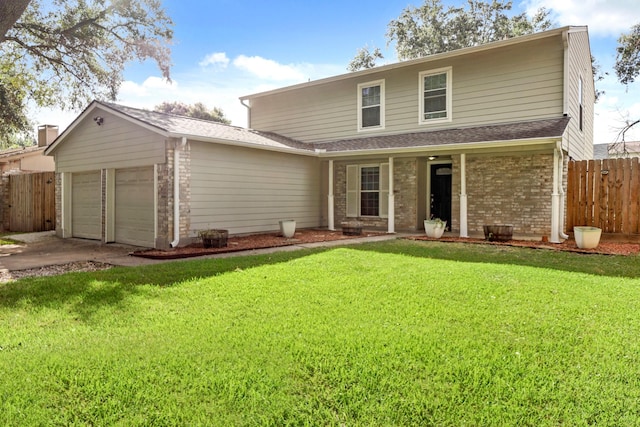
pixel 432 157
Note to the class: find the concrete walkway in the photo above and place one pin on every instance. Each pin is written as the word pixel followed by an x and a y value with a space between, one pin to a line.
pixel 44 249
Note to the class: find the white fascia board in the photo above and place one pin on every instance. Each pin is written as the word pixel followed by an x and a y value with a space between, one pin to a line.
pixel 91 109
pixel 134 120
pixel 236 143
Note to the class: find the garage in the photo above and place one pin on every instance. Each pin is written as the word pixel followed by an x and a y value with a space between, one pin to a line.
pixel 134 206
pixel 86 205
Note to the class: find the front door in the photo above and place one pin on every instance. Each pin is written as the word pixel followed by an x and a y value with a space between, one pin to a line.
pixel 440 192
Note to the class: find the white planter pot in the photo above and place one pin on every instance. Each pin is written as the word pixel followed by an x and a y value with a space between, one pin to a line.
pixel 288 228
pixel 433 228
pixel 587 237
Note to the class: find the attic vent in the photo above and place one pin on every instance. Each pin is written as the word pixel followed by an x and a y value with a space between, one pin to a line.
pixel 46 134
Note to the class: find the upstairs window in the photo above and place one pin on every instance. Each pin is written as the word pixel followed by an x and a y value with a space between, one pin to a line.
pixel 435 95
pixel 371 105
pixel 580 103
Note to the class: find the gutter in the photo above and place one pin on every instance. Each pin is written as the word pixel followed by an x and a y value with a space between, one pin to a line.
pixel 176 192
pixel 248 112
pixel 561 232
pixel 557 197
pixel 463 146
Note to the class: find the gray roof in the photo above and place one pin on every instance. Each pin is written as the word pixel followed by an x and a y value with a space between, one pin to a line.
pixel 205 129
pixel 198 129
pixel 19 151
pixel 538 129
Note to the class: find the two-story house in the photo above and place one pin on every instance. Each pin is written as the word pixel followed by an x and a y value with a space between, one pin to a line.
pixel 475 136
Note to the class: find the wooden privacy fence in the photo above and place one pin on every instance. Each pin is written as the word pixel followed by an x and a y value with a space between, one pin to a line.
pixel 32 205
pixel 604 194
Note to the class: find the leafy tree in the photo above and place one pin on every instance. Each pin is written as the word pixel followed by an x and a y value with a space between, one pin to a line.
pixel 365 58
pixel 65 52
pixel 627 69
pixel 197 111
pixel 628 56
pixel 432 28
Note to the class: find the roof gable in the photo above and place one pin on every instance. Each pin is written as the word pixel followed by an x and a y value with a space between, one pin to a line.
pixel 170 125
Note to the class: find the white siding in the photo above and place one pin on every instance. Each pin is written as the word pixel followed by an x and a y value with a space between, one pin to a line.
pixel 512 83
pixel 248 191
pixel 117 143
pixel 580 141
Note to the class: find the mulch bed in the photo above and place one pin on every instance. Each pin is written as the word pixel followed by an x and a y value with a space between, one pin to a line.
pixel 249 242
pixel 604 247
pixel 273 240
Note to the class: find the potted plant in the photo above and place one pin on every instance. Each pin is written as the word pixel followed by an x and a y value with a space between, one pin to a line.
pixel 212 238
pixel 498 232
pixel 587 237
pixel 351 228
pixel 288 228
pixel 434 227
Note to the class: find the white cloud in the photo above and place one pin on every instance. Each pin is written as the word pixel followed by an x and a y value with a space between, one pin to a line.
pixel 604 17
pixel 218 59
pixel 151 85
pixel 268 69
pixel 612 112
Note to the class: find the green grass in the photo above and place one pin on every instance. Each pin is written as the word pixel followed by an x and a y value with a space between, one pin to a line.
pixel 394 333
pixel 6 241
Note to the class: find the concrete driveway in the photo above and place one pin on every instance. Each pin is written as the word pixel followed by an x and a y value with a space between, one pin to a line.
pixel 44 249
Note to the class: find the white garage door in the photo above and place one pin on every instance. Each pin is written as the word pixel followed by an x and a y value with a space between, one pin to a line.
pixel 134 207
pixel 86 205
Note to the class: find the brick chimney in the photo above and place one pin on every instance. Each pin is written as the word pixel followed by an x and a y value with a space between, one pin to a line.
pixel 46 134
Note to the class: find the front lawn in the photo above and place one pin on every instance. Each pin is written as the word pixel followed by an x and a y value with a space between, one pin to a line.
pixel 392 333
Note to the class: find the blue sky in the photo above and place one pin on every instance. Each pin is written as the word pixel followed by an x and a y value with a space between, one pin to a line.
pixel 224 49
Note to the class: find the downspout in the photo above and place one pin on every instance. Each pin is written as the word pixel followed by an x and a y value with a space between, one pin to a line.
pixel 176 192
pixel 561 232
pixel 248 113
pixel 555 202
pixel 557 198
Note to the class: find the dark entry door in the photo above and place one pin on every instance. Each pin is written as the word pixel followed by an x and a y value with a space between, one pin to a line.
pixel 441 192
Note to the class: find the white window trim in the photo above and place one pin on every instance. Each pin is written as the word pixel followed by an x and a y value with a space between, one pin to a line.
pixel 382 102
pixel 383 190
pixel 421 76
pixel 580 104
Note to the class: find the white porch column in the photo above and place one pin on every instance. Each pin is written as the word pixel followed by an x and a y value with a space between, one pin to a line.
pixel 555 201
pixel 463 196
pixel 392 211
pixel 330 219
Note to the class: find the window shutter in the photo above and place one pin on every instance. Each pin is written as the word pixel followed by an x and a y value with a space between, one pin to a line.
pixel 384 190
pixel 352 190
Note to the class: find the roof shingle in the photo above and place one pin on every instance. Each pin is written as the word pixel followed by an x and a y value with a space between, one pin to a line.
pixel 197 128
pixel 538 129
